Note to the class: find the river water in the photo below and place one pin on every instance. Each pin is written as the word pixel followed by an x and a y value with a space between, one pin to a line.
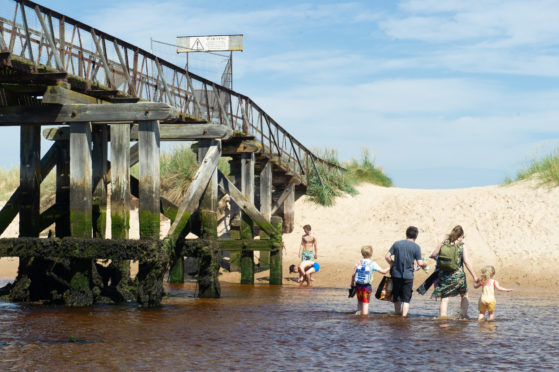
pixel 263 328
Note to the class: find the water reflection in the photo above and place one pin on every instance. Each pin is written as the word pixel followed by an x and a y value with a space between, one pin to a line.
pixel 275 328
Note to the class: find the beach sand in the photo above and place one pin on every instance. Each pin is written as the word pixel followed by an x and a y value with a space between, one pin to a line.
pixel 511 227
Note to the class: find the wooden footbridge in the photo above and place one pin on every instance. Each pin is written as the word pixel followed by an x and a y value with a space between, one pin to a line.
pixel 103 93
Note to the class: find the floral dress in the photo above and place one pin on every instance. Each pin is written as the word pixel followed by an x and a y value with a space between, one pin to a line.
pixel 452 284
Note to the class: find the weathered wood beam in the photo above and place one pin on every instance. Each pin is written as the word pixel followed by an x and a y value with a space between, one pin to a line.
pixel 29 180
pixel 244 244
pixel 80 181
pixel 265 205
pixel 247 231
pixel 63 96
pixel 148 146
pixel 34 78
pixel 11 208
pixel 99 155
pixel 120 181
pixel 168 132
pixel 192 197
pixel 114 249
pixel 62 226
pixel 279 203
pixel 227 187
pixel 208 260
pixel 276 258
pixel 75 113
pixel 289 209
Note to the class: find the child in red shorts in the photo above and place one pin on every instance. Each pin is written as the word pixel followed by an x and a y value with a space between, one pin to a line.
pixel 363 277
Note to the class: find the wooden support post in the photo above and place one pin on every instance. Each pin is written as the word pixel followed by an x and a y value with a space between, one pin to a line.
pixel 150 274
pixel 100 139
pixel 289 210
pixel 80 293
pixel 148 141
pixel 120 181
pixel 80 180
pixel 276 263
pixel 247 188
pixel 62 225
pixel 208 269
pixel 29 180
pixel 265 206
pixel 235 214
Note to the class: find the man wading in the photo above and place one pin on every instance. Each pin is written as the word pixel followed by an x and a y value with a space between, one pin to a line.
pixel 401 257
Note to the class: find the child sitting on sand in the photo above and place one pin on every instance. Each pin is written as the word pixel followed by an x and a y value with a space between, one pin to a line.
pixel 363 277
pixel 305 270
pixel 487 300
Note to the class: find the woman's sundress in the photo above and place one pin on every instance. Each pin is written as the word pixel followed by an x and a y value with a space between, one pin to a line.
pixel 452 284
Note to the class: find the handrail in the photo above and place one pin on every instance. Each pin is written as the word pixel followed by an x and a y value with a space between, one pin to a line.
pixel 86 52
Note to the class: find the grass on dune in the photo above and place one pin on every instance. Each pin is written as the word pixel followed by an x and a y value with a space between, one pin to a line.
pixel 545 168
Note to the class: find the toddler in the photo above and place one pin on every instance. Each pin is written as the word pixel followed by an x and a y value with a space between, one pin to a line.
pixel 363 277
pixel 488 285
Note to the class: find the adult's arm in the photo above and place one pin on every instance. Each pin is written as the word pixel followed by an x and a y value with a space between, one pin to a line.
pixel 436 251
pixel 419 259
pixel 388 257
pixel 467 263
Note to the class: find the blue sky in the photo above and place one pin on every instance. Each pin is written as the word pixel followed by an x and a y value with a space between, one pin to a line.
pixel 445 94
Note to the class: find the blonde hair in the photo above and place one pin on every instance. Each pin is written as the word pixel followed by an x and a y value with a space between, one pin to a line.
pixel 367 251
pixel 487 273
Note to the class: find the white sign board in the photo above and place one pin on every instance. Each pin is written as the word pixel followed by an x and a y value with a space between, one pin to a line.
pixel 214 43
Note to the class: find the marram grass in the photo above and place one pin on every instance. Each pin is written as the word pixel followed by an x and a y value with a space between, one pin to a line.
pixel 545 168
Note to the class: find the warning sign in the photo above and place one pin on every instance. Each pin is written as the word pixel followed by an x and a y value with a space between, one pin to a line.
pixel 213 43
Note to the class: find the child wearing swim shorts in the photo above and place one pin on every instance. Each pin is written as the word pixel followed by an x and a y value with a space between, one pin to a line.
pixel 305 271
pixel 363 277
pixel 488 285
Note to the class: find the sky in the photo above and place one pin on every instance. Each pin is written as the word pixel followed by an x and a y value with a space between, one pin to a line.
pixel 444 94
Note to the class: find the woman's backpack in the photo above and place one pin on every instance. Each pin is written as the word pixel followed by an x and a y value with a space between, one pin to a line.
pixel 449 257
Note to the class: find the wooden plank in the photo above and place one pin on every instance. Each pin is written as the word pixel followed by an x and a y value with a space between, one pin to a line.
pixel 148 146
pixel 279 203
pixel 265 205
pixel 227 187
pixel 276 258
pixel 29 180
pixel 120 181
pixel 168 132
pixel 289 209
pixel 192 197
pixel 62 96
pixel 208 260
pixel 100 135
pixel 80 181
pixel 247 188
pixel 76 113
pixel 62 224
pixel 34 78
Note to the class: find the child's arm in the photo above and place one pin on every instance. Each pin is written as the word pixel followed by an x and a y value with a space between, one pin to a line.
pixel 315 249
pixel 384 271
pixel 477 284
pixel 301 248
pixel 503 289
pixel 353 279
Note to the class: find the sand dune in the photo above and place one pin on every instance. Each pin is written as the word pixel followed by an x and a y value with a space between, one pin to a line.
pixel 512 227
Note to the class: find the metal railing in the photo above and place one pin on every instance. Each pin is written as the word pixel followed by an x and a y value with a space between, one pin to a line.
pixel 54 42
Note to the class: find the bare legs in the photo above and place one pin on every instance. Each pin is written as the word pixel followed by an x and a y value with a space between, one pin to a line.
pixel 401 308
pixel 491 315
pixel 464 303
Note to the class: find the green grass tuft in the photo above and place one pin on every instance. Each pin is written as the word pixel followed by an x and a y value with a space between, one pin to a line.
pixel 544 168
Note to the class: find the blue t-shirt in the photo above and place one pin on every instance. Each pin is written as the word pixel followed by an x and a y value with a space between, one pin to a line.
pixel 405 252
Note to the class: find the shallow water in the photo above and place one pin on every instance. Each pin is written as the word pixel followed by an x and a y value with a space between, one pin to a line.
pixel 278 328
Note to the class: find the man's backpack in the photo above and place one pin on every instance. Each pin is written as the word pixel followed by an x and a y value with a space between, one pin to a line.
pixel 364 272
pixel 449 257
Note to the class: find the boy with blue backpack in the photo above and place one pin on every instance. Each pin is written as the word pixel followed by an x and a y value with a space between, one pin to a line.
pixel 363 277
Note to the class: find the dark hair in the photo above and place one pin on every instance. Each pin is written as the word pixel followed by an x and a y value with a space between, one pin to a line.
pixel 412 232
pixel 307 227
pixel 456 232
pixel 292 269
